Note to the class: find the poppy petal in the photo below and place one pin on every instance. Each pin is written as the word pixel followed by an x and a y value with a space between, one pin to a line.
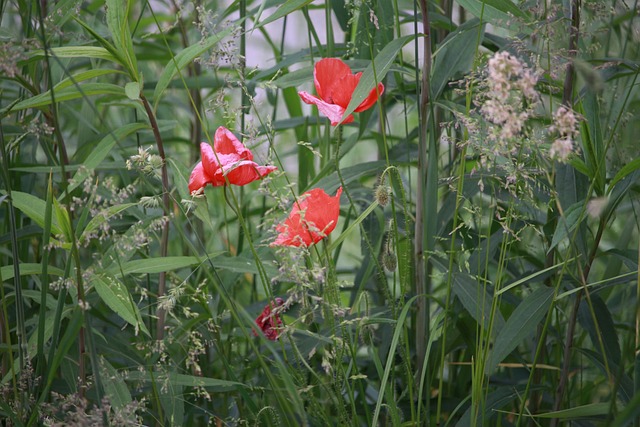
pixel 344 89
pixel 243 172
pixel 332 111
pixel 226 143
pixel 228 157
pixel 371 98
pixel 311 219
pixel 321 213
pixel 198 179
pixel 270 322
pixel 292 232
pixel 326 74
pixel 209 161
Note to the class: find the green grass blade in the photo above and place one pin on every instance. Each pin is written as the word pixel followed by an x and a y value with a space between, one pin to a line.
pixel 35 208
pixel 285 9
pixel 454 56
pixel 390 360
pixel 70 93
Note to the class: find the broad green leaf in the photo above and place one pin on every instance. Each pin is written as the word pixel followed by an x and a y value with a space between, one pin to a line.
pixel 68 168
pixel 589 410
pixel 34 208
pixel 70 336
pixel 579 165
pixel 531 276
pixel 171 397
pixel 185 57
pixel 69 93
pixel 630 167
pixel 173 378
pixel 115 294
pixel 295 78
pixel 84 75
pixel 132 90
pixel 27 269
pixel 600 327
pixel 567 223
pixel 240 264
pixel 117 21
pixel 455 55
pixel 629 414
pixel 156 265
pixel 501 13
pixel 476 301
pixel 35 296
pixel 62 216
pixel 351 173
pixel 624 383
pixel 115 388
pixel 32 345
pixel 617 280
pixel 76 52
pixel 283 10
pixel 62 11
pixel 381 65
pixel 621 190
pixel 593 141
pixel 521 324
pixel 115 52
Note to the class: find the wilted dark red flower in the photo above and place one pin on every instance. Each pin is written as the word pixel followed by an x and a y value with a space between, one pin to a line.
pixel 228 157
pixel 312 218
pixel 335 84
pixel 269 321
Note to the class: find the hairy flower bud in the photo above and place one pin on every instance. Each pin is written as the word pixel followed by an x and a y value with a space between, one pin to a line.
pixel 382 195
pixel 389 261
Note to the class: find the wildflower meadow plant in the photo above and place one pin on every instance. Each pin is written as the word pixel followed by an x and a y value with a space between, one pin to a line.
pixel 426 256
pixel 335 84
pixel 228 160
pixel 269 320
pixel 312 218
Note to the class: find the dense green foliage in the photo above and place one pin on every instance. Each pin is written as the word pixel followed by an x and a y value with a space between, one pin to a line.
pixel 484 267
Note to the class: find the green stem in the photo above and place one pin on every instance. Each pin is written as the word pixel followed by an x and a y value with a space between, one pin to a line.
pixel 17 279
pixel 166 204
pixel 422 244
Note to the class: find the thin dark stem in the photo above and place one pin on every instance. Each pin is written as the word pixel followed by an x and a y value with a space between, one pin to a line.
pixel 567 99
pixel 194 71
pixel 574 34
pixel 420 267
pixel 568 344
pixel 164 242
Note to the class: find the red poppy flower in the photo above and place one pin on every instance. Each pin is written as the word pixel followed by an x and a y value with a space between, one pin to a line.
pixel 228 157
pixel 311 219
pixel 270 322
pixel 335 84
